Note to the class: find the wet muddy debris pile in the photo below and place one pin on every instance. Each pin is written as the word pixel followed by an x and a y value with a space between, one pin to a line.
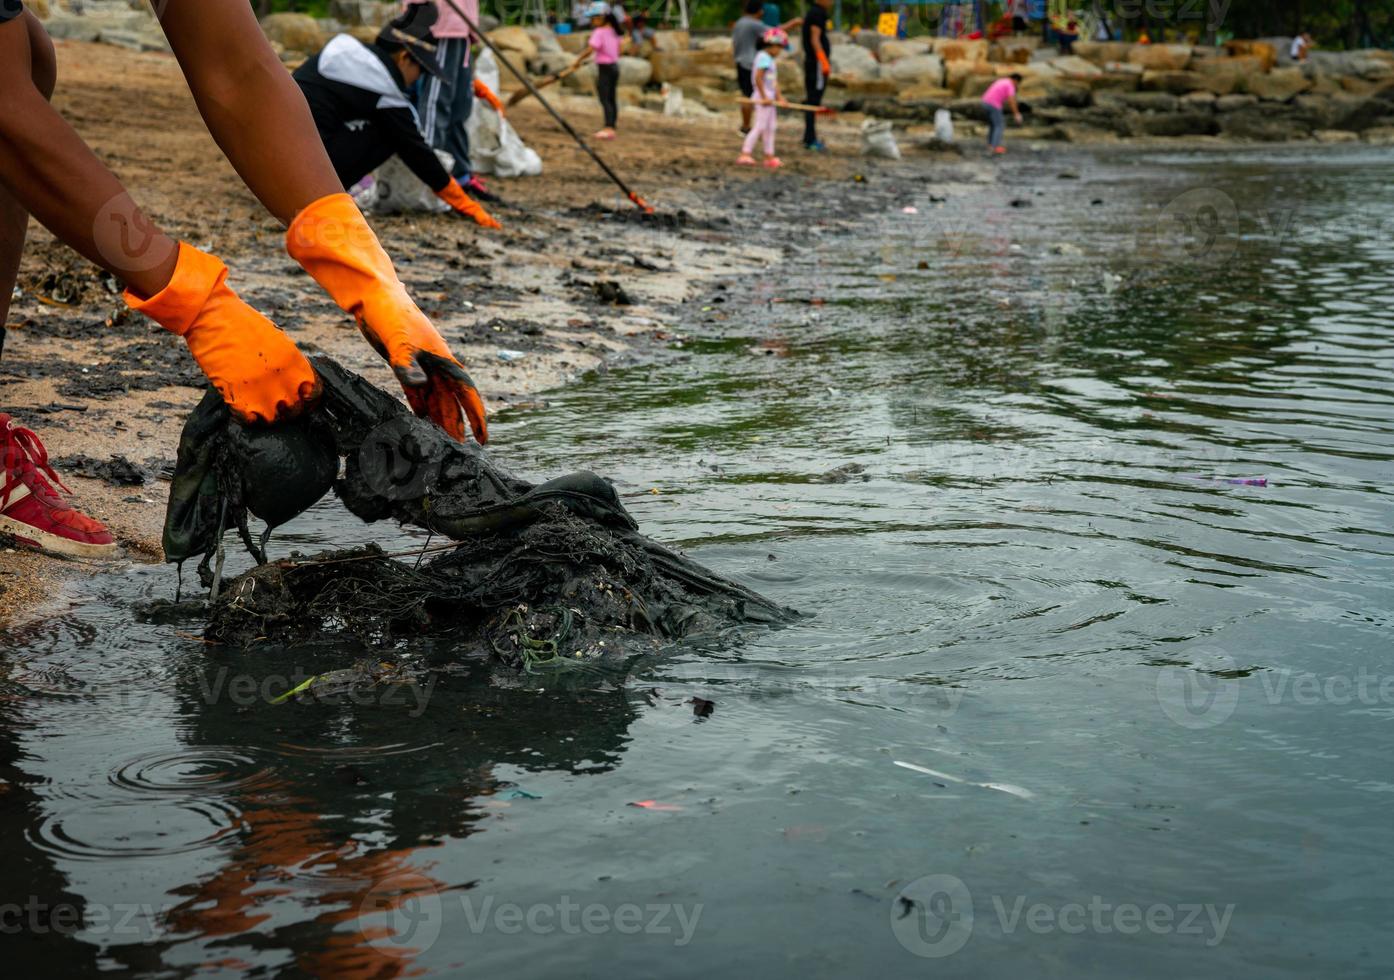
pixel 533 575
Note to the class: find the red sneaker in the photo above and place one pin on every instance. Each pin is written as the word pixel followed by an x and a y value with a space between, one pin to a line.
pixel 32 511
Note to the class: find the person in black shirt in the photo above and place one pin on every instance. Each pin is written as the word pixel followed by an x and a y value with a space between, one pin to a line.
pixel 358 96
pixel 816 67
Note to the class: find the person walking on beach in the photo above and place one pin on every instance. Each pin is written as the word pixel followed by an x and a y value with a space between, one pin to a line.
pixel 357 94
pixel 745 45
pixel 766 88
pixel 999 93
pixel 1301 44
pixel 259 119
pixel 816 67
pixel 604 44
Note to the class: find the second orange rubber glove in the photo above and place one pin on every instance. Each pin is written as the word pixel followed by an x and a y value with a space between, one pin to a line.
pixel 331 239
pixel 482 91
pixel 257 369
pixel 454 195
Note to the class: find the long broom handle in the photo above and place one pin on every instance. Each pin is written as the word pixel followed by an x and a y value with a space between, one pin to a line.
pixel 798 106
pixel 639 202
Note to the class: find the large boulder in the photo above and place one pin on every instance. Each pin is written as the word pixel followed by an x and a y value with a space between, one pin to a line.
pixel 1279 85
pixel 952 49
pixel 671 66
pixel 634 72
pixel 1369 64
pixel 514 40
pixel 575 42
pixel 1264 51
pixel 1075 65
pixel 957 73
pixel 721 44
pixel 893 50
pixel 1138 101
pixel 362 13
pixel 671 41
pixel 1188 121
pixel 1233 103
pixel 916 69
pixel 1265 121
pixel 1054 90
pixel 1181 82
pixel 1110 81
pixel 294 32
pixel 1225 74
pixel 854 61
pixel 1010 51
pixel 1161 57
pixel 545 40
pixel 1102 52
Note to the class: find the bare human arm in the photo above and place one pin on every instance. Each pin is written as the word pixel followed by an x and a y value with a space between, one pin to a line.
pixel 253 108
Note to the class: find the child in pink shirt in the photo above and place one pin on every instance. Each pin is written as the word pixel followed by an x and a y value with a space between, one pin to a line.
pixel 1000 92
pixel 604 44
pixel 765 93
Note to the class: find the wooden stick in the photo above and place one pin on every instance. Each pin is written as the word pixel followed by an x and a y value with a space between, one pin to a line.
pixel 797 106
pixel 523 93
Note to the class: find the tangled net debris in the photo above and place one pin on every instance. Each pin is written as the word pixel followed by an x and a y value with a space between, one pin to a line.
pixel 533 575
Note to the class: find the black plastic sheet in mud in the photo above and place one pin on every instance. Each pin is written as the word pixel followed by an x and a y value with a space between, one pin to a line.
pixel 535 574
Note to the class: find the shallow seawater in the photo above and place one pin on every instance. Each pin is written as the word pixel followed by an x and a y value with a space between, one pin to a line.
pixel 1079 695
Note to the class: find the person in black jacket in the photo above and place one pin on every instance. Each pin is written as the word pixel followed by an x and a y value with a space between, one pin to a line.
pixel 358 95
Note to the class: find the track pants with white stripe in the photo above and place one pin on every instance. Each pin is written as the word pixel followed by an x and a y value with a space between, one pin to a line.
pixel 445 104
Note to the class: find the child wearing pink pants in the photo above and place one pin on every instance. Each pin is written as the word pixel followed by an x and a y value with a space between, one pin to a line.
pixel 765 79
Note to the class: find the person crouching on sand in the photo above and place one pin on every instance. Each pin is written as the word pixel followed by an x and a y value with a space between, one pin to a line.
pixel 999 93
pixel 765 83
pixel 357 94
pixel 605 45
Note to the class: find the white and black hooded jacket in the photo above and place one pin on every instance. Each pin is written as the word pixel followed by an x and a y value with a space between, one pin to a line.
pixel 360 105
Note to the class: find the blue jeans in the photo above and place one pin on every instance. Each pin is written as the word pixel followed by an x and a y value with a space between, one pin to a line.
pixel 445 105
pixel 996 126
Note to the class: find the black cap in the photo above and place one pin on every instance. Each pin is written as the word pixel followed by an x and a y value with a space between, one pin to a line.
pixel 412 30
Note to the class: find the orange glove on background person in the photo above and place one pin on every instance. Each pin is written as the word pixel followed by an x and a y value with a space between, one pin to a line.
pixel 257 369
pixel 454 195
pixel 823 61
pixel 331 239
pixel 482 91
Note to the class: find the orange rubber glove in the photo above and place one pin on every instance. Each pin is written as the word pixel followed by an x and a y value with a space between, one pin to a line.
pixel 257 369
pixel 482 91
pixel 454 195
pixel 823 61
pixel 331 239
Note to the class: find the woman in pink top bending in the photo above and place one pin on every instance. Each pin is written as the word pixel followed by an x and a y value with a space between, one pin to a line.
pixel 999 93
pixel 605 45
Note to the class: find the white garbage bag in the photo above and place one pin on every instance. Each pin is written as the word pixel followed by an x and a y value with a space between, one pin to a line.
pixel 495 148
pixel 672 100
pixel 396 190
pixel 943 126
pixel 878 140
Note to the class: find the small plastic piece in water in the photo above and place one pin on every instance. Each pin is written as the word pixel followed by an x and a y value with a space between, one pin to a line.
pixel 908 209
pixel 1238 481
pixel 509 356
pixel 655 805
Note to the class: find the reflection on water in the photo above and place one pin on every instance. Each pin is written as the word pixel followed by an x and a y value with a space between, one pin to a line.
pixel 1079 695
